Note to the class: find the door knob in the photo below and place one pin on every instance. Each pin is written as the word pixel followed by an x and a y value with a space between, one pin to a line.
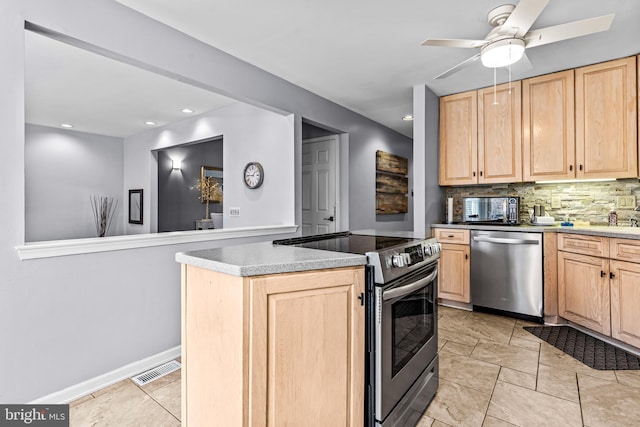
pixel 329 218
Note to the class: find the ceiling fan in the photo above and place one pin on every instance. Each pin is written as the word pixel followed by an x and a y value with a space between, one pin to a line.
pixel 506 42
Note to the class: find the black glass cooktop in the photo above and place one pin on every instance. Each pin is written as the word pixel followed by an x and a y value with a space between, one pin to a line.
pixel 345 242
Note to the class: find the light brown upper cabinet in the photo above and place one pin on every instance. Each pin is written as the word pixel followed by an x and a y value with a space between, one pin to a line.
pixel 458 139
pixel 480 136
pixel 548 129
pixel 500 134
pixel 606 120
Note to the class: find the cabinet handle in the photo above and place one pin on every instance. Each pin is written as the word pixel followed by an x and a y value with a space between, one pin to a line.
pixel 450 236
pixel 480 173
pixel 611 275
pixel 580 167
pixel 602 273
pixel 570 168
pixel 361 298
pixel 474 173
pixel 466 256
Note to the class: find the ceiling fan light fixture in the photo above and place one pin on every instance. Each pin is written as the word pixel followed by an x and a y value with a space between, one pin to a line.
pixel 502 53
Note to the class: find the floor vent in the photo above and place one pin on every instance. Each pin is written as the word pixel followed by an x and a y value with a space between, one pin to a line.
pixel 155 373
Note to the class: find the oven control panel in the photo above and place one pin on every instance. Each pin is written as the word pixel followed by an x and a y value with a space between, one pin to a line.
pixel 394 262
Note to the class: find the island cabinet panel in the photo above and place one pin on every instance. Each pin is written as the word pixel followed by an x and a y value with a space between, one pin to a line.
pixel 275 350
pixel 500 134
pixel 459 139
pixel 213 348
pixel 625 302
pixel 583 291
pixel 548 129
pixel 606 120
pixel 307 335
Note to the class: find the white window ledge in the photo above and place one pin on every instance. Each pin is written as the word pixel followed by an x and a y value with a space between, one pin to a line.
pixel 56 248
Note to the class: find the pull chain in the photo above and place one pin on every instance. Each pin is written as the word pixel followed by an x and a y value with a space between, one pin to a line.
pixel 509 79
pixel 495 99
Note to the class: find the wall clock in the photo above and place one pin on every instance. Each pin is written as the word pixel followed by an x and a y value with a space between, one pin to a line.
pixel 253 175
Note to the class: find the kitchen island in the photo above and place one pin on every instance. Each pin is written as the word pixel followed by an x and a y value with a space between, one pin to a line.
pixel 272 335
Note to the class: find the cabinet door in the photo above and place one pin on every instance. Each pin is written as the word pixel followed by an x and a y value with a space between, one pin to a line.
pixel 306 349
pixel 458 139
pixel 606 120
pixel 453 271
pixel 500 134
pixel 625 300
pixel 583 291
pixel 548 129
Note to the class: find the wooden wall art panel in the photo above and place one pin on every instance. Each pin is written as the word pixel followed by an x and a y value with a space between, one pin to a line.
pixel 392 183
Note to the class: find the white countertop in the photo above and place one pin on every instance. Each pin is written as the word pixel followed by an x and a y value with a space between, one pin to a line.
pixel 616 232
pixel 257 259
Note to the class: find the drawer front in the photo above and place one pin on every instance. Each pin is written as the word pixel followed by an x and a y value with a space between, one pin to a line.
pixel 451 235
pixel 625 249
pixel 583 244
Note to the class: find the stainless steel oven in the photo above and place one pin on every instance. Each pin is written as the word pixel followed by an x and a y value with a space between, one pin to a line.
pixel 406 344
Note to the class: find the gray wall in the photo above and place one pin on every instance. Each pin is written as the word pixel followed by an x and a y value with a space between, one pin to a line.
pixel 62 170
pixel 68 319
pixel 429 197
pixel 178 204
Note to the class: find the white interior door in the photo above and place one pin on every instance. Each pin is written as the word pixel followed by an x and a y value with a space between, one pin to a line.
pixel 319 185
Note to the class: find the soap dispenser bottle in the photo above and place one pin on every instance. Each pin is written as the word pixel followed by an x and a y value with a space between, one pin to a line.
pixel 613 218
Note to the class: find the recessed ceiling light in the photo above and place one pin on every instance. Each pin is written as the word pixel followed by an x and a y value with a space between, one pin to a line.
pixel 150 123
pixel 66 125
pixel 407 118
pixel 187 110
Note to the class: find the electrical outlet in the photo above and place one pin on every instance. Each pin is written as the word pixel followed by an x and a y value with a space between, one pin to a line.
pixel 556 202
pixel 234 211
pixel 628 202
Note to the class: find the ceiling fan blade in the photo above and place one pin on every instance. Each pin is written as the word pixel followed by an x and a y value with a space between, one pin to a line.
pixel 458 67
pixel 454 43
pixel 523 17
pixel 569 30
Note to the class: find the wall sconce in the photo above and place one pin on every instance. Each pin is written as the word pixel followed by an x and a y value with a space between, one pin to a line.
pixel 176 164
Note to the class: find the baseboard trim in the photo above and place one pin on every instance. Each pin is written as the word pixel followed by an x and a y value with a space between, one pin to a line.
pixel 84 388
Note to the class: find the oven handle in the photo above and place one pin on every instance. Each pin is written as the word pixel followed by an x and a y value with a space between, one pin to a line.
pixel 407 289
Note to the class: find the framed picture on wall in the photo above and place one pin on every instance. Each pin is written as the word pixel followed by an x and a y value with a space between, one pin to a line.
pixel 135 206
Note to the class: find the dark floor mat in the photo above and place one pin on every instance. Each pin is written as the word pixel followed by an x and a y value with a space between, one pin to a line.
pixel 589 350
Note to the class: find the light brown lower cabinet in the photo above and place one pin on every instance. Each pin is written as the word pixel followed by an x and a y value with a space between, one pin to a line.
pixel 454 273
pixel 583 291
pixel 601 293
pixel 275 350
pixel 625 301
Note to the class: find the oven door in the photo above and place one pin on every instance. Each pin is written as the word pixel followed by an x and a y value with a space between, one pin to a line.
pixel 406 335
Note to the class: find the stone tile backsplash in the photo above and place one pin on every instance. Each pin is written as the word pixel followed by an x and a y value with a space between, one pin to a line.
pixel 583 201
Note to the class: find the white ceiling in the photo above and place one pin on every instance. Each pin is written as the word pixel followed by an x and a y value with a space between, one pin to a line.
pixel 362 54
pixel 366 54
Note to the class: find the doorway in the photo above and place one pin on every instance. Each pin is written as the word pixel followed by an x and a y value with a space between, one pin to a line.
pixel 320 185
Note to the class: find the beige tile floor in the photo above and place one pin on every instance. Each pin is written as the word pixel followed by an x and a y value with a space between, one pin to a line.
pixel 492 373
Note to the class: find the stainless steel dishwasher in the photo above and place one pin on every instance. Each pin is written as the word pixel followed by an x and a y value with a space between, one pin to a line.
pixel 506 273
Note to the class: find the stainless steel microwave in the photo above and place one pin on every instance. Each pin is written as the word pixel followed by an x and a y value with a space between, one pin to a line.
pixel 494 210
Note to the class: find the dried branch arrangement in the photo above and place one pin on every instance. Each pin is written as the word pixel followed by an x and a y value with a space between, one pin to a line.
pixel 103 208
pixel 210 189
